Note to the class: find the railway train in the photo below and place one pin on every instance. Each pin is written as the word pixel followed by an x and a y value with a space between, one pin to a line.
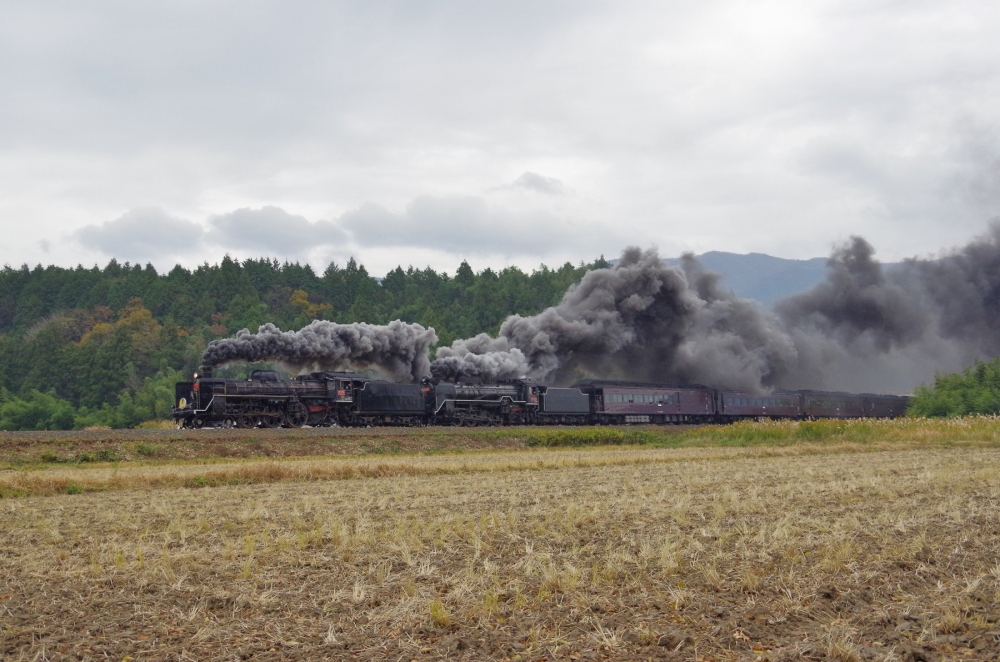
pixel 352 399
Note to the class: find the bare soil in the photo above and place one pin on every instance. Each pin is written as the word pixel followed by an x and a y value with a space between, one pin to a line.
pixel 695 554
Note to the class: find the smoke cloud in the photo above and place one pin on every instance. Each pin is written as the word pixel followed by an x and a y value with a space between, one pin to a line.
pixel 866 327
pixel 398 349
pixel 857 300
pixel 863 328
pixel 639 319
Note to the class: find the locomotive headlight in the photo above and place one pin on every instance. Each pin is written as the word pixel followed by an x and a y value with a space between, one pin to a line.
pixel 182 403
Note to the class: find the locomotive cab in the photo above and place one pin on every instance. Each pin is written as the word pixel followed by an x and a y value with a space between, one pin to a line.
pixel 210 393
pixel 340 390
pixel 197 400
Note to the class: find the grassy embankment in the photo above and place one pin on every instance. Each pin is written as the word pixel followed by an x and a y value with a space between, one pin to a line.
pixel 52 463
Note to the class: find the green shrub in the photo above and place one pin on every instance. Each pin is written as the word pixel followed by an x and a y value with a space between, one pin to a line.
pixel 146 450
pixel 35 411
pixel 107 455
pixel 102 455
pixel 975 390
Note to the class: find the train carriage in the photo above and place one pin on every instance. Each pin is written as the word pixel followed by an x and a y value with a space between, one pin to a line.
pixel 832 404
pixel 736 405
pixel 635 402
pixel 883 406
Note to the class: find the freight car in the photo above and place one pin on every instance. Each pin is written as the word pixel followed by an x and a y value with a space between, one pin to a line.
pixel 351 399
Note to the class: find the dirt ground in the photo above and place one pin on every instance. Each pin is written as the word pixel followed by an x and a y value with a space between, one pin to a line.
pixel 841 553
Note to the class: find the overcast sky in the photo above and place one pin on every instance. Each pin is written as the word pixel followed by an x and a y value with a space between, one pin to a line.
pixel 502 132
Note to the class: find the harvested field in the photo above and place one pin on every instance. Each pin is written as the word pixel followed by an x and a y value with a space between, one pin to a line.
pixel 805 551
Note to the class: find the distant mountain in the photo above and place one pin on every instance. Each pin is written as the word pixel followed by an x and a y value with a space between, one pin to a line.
pixel 761 277
pixel 765 278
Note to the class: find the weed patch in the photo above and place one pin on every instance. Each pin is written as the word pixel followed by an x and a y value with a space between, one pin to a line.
pixel 100 455
pixel 146 450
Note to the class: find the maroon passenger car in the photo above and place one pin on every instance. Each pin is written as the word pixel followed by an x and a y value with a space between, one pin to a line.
pixel 828 404
pixel 884 406
pixel 634 402
pixel 735 405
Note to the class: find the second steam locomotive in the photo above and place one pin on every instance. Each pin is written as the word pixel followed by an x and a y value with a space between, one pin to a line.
pixel 351 399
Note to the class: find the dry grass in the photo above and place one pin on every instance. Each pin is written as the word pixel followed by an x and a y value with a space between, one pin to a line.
pixel 792 552
pixel 153 474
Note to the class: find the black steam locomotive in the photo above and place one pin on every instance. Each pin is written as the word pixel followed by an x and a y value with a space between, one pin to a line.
pixel 350 399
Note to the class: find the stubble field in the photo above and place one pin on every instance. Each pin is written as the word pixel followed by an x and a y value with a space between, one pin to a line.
pixel 800 551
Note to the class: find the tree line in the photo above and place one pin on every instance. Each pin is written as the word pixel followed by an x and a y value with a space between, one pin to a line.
pixel 975 390
pixel 104 346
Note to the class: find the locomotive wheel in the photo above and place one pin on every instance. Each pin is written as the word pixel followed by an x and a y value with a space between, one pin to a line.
pixel 296 418
pixel 270 421
pixel 245 421
pixel 198 423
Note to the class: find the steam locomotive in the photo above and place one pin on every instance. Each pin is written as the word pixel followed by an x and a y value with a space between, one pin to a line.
pixel 351 399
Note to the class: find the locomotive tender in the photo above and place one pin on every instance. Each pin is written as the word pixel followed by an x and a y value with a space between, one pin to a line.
pixel 351 399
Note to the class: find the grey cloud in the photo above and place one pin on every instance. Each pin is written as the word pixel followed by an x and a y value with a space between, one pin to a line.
pixel 459 224
pixel 540 183
pixel 271 231
pixel 141 234
pixel 699 125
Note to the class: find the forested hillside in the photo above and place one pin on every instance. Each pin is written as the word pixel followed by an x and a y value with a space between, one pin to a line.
pixel 97 346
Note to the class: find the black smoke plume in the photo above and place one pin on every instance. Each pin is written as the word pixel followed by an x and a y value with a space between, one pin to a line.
pixel 890 329
pixel 401 350
pixel 639 319
pixel 864 328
